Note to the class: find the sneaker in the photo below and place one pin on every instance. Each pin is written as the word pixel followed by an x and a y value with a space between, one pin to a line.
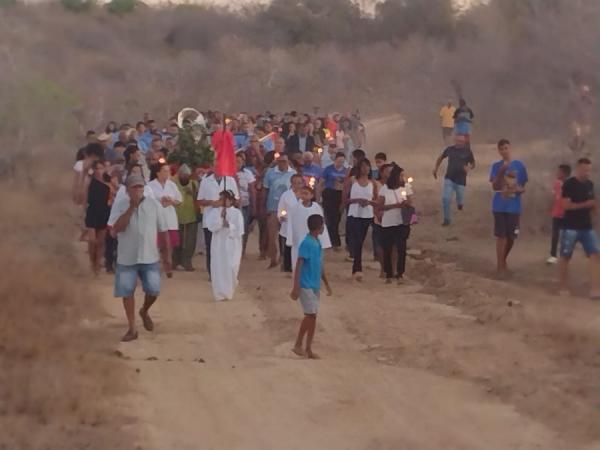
pixel 358 276
pixel 446 223
pixel 460 207
pixel 349 258
pixel 551 260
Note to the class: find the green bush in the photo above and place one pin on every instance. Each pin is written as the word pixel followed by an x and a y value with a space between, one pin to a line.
pixel 120 7
pixel 7 3
pixel 78 5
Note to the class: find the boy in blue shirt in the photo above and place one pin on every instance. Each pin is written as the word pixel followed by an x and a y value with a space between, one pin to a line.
pixel 307 284
pixel 508 177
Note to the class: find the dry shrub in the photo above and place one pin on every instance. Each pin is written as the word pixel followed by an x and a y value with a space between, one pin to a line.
pixel 59 381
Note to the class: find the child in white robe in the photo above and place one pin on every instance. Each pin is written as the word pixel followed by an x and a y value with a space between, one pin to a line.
pixel 227 226
pixel 298 223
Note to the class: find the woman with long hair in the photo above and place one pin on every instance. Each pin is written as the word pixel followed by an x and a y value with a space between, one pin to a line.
pixel 97 213
pixel 111 127
pixel 362 198
pixel 395 196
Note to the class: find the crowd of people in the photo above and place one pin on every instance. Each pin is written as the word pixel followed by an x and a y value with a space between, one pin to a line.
pixel 302 182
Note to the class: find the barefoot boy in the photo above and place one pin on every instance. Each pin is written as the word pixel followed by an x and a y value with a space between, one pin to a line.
pixel 307 284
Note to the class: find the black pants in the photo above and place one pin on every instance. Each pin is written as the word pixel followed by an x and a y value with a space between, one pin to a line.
pixel 332 202
pixel 110 252
pixel 207 241
pixel 556 227
pixel 357 231
pixel 286 255
pixel 394 237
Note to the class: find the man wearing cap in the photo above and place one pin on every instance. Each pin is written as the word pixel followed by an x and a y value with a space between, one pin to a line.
pixel 186 216
pixel 137 225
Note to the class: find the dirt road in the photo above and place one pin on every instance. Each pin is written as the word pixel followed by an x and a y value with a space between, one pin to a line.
pixel 453 360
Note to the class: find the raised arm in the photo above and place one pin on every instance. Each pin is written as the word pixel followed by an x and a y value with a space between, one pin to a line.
pixel 123 221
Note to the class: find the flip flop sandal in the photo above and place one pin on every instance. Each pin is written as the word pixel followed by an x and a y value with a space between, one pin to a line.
pixel 147 321
pixel 129 336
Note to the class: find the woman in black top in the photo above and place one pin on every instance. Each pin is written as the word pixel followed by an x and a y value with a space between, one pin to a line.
pixel 97 213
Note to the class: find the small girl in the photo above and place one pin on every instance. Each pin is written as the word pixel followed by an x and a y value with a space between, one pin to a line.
pixel 227 226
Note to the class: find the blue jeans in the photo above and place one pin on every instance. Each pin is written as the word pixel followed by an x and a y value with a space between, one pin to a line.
pixel 588 239
pixel 449 187
pixel 126 279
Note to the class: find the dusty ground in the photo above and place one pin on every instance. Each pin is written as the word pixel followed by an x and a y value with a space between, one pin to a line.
pixel 444 362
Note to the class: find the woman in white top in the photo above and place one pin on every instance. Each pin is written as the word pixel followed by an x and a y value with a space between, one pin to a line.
pixel 169 196
pixel 362 199
pixel 393 197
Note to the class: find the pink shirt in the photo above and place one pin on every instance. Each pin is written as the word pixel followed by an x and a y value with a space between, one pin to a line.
pixel 557 209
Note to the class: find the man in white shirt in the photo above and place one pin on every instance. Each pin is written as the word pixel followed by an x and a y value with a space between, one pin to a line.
pixel 208 198
pixel 137 225
pixel 288 200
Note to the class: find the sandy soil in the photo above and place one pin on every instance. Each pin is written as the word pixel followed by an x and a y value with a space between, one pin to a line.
pixel 453 360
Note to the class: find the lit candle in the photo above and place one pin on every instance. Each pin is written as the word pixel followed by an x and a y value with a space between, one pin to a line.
pixel 277 155
pixel 410 179
pixel 283 213
pixel 311 182
pixel 162 160
pixel 320 150
pixel 403 194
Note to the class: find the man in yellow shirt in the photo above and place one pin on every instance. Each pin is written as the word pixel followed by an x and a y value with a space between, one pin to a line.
pixel 447 116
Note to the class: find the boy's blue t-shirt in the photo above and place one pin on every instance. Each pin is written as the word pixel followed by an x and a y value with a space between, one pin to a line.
pixel 310 273
pixel 510 205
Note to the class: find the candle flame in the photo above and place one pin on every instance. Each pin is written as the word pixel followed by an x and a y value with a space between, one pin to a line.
pixel 277 155
pixel 311 182
pixel 162 160
pixel 410 179
pixel 283 213
pixel 320 150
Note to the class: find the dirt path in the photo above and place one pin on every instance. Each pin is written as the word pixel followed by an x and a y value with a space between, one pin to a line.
pixel 454 360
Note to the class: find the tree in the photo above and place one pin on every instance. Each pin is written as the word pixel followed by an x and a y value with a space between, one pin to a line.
pixel 120 7
pixel 191 152
pixel 78 5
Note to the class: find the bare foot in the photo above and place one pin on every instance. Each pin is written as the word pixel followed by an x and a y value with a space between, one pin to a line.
pixel 312 355
pixel 299 351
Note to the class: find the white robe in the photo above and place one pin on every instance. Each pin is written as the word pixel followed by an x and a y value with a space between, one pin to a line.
pixel 297 224
pixel 225 250
pixel 287 201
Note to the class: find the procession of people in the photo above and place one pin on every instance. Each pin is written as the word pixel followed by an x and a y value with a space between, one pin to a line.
pixel 301 182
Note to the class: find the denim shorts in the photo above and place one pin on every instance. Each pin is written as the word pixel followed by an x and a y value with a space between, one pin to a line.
pixel 570 238
pixel 126 279
pixel 309 299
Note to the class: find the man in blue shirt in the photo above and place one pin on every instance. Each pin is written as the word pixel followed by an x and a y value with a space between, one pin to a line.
pixel 276 182
pixel 508 177
pixel 310 172
pixel 331 187
pixel 144 137
pixel 307 284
